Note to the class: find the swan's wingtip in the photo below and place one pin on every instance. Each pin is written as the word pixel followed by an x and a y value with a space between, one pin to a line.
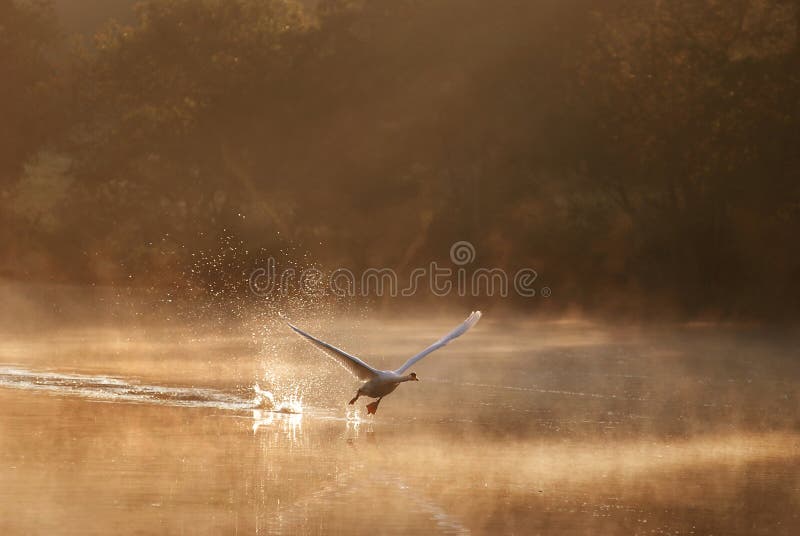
pixel 286 320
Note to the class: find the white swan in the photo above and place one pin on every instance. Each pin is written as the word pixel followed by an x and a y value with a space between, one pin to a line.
pixel 379 383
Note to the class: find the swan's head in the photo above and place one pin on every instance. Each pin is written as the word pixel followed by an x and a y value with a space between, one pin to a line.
pixel 413 377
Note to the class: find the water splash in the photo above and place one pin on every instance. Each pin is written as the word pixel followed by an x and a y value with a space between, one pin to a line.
pixel 115 389
pixel 265 400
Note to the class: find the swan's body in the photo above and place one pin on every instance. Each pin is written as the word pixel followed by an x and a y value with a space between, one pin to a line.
pixel 379 383
pixel 383 384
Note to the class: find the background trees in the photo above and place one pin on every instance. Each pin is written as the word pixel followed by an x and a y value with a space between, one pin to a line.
pixel 25 32
pixel 639 153
pixel 30 118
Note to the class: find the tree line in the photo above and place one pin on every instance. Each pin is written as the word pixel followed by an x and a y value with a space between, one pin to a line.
pixel 641 155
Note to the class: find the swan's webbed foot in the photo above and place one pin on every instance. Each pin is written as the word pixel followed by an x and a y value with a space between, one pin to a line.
pixel 354 400
pixel 372 408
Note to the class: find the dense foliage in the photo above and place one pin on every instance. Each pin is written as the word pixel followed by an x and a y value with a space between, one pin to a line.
pixel 639 154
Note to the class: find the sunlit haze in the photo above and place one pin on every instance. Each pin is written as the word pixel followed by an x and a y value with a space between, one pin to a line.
pixel 372 267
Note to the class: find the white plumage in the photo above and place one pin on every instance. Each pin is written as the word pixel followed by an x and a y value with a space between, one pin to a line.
pixel 379 383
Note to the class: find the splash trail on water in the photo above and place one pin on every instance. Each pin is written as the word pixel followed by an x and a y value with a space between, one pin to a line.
pixel 115 389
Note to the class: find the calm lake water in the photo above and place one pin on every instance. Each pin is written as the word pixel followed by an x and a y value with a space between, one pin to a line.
pixel 519 427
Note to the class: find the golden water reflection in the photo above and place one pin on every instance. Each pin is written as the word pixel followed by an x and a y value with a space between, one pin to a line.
pixel 646 437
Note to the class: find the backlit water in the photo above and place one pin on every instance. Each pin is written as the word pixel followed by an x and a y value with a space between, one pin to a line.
pixel 519 427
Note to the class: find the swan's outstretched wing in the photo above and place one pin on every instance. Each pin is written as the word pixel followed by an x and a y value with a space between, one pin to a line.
pixel 350 362
pixel 460 330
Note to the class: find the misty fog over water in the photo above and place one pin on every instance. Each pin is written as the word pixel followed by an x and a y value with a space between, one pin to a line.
pixel 614 185
pixel 524 425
